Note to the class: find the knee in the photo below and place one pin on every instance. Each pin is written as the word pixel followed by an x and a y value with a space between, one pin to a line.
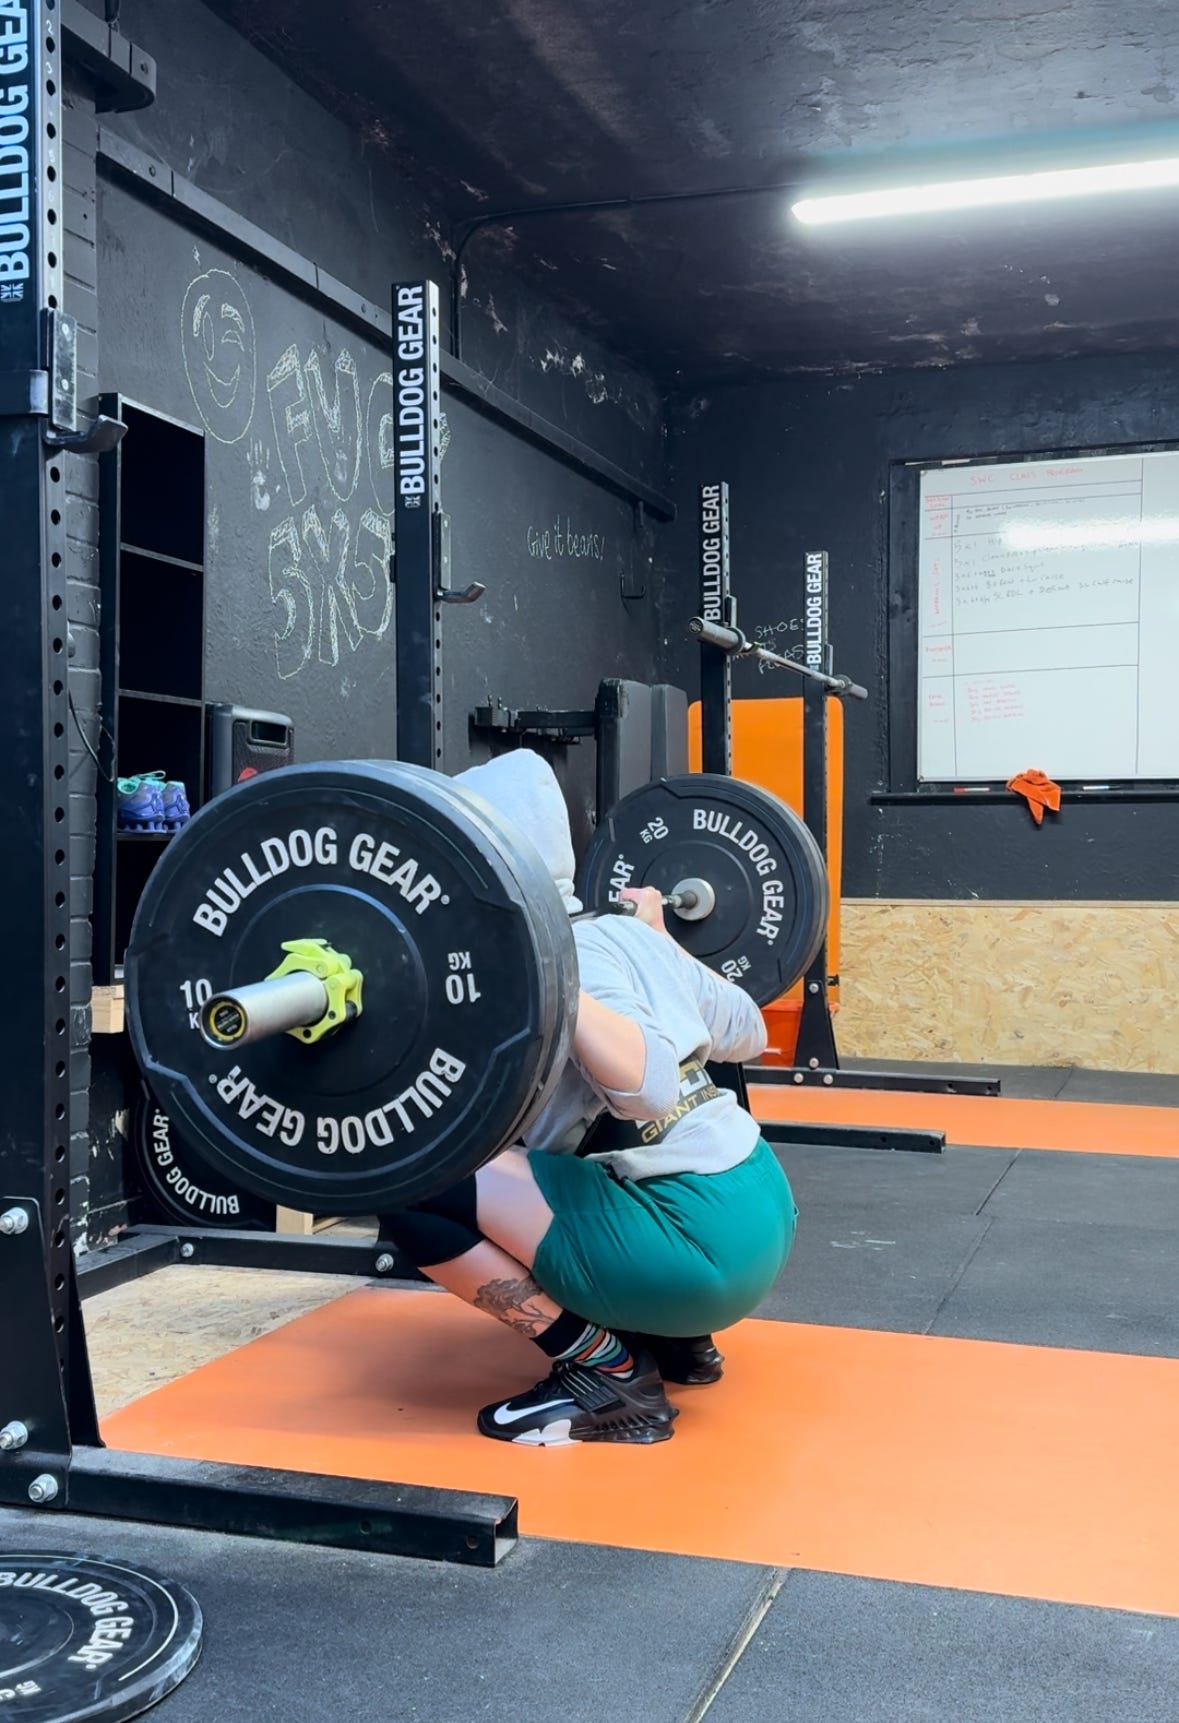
pixel 438 1230
pixel 509 1169
pixel 427 1239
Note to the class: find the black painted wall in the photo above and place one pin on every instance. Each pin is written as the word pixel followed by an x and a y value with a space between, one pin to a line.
pixel 233 124
pixel 293 505
pixel 808 464
pixel 300 497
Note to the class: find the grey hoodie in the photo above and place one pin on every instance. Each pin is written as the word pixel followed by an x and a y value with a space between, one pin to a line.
pixel 684 1010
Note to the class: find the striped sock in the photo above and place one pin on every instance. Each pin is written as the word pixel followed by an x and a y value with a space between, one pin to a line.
pixel 570 1339
pixel 600 1349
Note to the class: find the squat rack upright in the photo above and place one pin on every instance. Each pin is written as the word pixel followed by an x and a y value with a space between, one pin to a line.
pixel 721 642
pixel 51 1453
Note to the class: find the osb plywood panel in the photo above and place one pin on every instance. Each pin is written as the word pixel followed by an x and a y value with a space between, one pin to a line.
pixel 150 1331
pixel 1089 984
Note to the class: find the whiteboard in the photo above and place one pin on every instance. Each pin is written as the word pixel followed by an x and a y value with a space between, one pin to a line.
pixel 1048 619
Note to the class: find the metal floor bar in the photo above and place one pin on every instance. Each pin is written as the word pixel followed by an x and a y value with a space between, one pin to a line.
pixel 800 1077
pixel 294 1507
pixel 854 1137
pixel 143 1249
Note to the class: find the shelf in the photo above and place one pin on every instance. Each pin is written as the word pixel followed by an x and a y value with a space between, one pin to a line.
pixel 159 699
pixel 161 624
pixel 1007 798
pixel 152 644
pixel 162 488
pixel 158 556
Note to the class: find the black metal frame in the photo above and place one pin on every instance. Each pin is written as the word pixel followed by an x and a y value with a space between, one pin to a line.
pixel 717 605
pixel 911 1082
pixel 814 1135
pixel 122 74
pixel 815 1048
pixel 551 725
pixel 144 1249
pixel 38 411
pixel 816 1056
pixel 419 525
pixel 785 1133
pixel 62 1465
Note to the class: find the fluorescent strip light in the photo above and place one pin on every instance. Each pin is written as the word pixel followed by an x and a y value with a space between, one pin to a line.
pixel 1085 535
pixel 985 193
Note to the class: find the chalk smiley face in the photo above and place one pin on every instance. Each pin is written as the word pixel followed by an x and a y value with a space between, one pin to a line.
pixel 220 353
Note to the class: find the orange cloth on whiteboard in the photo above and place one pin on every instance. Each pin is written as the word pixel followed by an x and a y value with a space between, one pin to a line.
pixel 1039 790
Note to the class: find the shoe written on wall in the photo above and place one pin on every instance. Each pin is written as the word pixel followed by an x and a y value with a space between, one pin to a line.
pixel 692 1362
pixel 579 1403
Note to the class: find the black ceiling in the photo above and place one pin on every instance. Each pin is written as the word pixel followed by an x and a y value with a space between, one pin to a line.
pixel 524 102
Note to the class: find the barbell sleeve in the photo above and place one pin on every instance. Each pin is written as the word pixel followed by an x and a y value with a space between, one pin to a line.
pixel 274 1007
pixel 715 634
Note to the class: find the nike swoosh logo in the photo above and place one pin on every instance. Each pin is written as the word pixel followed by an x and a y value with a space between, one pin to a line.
pixel 502 1415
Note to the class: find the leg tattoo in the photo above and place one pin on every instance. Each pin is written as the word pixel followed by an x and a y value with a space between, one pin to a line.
pixel 513 1302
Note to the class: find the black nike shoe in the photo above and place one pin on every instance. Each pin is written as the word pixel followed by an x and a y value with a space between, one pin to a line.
pixel 691 1363
pixel 578 1403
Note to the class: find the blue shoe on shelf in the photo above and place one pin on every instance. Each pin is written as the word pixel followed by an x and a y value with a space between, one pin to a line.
pixel 175 805
pixel 141 803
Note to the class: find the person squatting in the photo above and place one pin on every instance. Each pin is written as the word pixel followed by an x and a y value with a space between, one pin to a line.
pixel 644 1210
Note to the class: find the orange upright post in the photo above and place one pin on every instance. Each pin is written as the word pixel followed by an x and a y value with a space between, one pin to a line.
pixel 767 750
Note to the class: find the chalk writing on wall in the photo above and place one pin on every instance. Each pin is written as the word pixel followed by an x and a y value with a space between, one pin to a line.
pixel 560 541
pixel 787 638
pixel 220 353
pixel 328 557
pixel 318 470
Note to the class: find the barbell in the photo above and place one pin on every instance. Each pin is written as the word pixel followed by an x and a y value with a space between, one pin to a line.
pixel 316 990
pixel 351 984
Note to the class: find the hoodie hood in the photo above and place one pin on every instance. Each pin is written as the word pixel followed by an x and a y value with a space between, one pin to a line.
pixel 524 789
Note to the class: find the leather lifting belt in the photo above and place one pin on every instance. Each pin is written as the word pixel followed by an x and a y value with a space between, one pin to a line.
pixel 607 1134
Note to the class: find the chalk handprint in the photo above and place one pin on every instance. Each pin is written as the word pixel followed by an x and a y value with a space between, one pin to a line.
pixel 260 476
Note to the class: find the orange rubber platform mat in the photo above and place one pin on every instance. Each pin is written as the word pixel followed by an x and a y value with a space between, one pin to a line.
pixel 990 1121
pixel 1020 1470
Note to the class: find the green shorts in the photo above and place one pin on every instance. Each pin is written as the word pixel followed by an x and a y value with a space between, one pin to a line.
pixel 682 1254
